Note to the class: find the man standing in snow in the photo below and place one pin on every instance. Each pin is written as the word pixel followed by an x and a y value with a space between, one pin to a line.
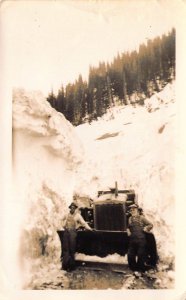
pixel 137 226
pixel 72 222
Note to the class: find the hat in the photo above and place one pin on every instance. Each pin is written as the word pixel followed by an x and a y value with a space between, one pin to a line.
pixel 140 209
pixel 133 206
pixel 73 205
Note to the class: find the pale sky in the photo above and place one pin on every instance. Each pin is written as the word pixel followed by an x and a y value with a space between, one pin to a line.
pixel 49 43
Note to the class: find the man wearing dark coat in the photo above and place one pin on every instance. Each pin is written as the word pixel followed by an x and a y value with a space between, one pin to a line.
pixel 137 226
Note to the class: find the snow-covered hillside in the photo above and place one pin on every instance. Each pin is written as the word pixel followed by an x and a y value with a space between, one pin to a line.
pixel 134 146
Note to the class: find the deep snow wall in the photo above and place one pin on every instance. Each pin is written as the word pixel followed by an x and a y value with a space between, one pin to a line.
pixel 46 153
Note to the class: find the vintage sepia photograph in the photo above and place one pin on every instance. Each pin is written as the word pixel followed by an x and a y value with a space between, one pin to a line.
pixel 93 119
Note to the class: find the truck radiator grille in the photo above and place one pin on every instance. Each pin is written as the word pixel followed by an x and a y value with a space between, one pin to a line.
pixel 110 217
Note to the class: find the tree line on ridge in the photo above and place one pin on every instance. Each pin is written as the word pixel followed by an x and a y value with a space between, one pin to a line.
pixel 129 78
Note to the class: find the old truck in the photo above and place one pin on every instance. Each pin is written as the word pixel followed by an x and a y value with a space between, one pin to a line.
pixel 108 215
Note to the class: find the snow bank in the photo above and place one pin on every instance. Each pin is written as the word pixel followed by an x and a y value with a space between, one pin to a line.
pixel 34 116
pixel 46 154
pixel 167 95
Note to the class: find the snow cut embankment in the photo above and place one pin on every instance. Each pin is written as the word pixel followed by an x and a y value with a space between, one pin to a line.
pixel 46 154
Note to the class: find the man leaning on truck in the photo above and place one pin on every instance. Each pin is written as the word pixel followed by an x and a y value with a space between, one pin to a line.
pixel 71 223
pixel 137 226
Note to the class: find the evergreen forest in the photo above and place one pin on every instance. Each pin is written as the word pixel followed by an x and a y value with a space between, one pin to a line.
pixel 128 79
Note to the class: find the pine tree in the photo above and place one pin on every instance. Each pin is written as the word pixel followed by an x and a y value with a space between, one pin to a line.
pixel 51 99
pixel 61 101
pixel 70 108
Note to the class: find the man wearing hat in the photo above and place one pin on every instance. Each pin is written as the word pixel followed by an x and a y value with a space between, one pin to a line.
pixel 137 226
pixel 71 224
